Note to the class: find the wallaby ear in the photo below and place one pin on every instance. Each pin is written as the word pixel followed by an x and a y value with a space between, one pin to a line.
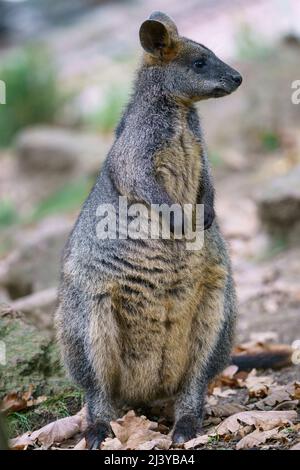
pixel 158 34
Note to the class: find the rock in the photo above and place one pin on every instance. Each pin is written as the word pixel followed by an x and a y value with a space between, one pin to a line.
pixel 234 160
pixel 51 149
pixel 31 358
pixel 34 264
pixel 279 206
pixel 38 308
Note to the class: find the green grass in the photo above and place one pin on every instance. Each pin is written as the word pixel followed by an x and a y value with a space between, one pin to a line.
pixel 270 141
pixel 65 200
pixel 56 407
pixel 213 439
pixel 32 93
pixel 68 198
pixel 8 213
pixel 107 117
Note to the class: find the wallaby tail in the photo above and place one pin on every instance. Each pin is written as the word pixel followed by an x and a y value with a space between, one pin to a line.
pixel 274 357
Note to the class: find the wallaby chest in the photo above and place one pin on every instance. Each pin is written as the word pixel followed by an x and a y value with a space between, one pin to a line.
pixel 178 164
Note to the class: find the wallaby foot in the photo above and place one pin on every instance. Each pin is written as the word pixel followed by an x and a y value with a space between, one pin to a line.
pixel 101 412
pixel 186 428
pixel 96 433
pixel 189 410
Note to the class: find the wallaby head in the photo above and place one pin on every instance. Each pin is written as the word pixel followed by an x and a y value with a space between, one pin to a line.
pixel 191 71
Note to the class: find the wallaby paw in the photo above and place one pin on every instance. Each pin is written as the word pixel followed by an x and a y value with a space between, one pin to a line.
pixel 185 428
pixel 95 434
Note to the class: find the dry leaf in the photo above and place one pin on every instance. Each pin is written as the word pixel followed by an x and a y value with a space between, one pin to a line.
pixel 230 371
pixel 227 378
pixel 277 394
pixel 111 444
pixel 22 442
pixel 136 432
pixel 81 445
pixel 224 410
pixel 158 443
pixel 142 436
pixel 124 427
pixel 296 446
pixel 16 401
pixel 260 419
pixel 255 438
pixel 295 393
pixel 13 402
pixel 257 386
pixel 82 414
pixel 28 395
pixel 218 392
pixel 57 431
pixel 287 405
pixel 193 443
pixel 211 400
pixel 36 401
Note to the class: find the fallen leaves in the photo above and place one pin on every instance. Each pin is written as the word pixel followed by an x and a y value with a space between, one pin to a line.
pixel 296 391
pixel 257 386
pixel 13 402
pixel 52 433
pixel 257 437
pixel 225 410
pixel 296 446
pixel 269 409
pixel 136 432
pixel 16 401
pixel 278 394
pixel 257 410
pixel 218 392
pixel 193 443
pixel 264 420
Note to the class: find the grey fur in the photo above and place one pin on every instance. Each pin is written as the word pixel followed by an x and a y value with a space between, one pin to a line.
pixel 139 319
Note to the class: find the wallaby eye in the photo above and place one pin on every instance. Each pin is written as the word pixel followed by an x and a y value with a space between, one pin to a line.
pixel 199 64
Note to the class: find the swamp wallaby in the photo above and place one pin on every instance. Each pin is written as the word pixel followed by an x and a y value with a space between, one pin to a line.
pixel 140 319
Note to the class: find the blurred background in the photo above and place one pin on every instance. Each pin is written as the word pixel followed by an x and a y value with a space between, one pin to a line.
pixel 66 70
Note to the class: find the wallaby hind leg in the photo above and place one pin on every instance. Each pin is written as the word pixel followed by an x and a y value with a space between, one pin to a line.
pixel 100 413
pixel 216 319
pixel 80 320
pixel 189 410
pixel 190 405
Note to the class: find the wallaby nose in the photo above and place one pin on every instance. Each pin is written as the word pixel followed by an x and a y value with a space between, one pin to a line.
pixel 237 78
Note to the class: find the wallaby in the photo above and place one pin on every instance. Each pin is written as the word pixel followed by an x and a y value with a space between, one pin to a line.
pixel 140 319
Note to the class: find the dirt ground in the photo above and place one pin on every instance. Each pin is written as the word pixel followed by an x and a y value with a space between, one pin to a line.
pixel 266 273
